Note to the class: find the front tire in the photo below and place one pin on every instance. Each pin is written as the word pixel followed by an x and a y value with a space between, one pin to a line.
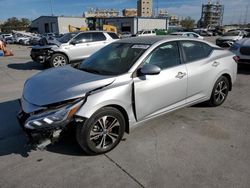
pixel 58 60
pixel 102 131
pixel 220 92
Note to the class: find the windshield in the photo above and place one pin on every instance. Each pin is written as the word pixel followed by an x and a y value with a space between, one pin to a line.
pixel 66 38
pixel 114 59
pixel 235 33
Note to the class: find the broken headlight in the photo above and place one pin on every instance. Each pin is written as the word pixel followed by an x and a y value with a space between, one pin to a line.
pixel 53 117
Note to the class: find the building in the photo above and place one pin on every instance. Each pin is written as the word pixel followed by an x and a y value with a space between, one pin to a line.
pixel 174 20
pixel 163 13
pixel 145 8
pixel 211 15
pixel 129 24
pixel 56 24
pixel 99 13
pixel 129 12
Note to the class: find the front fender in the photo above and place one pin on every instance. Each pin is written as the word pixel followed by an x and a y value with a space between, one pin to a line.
pixel 112 96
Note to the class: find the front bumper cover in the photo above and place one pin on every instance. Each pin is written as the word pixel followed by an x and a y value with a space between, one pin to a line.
pixel 37 136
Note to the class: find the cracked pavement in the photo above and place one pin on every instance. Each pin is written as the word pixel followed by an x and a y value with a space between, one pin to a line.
pixel 192 147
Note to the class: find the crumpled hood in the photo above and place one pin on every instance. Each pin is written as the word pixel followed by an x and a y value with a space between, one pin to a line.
pixel 60 84
pixel 49 46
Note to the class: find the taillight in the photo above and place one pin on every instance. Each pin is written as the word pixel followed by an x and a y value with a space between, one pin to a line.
pixel 236 58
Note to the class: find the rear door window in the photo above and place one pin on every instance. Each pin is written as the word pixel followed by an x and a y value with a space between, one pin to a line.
pixel 114 36
pixel 98 37
pixel 195 50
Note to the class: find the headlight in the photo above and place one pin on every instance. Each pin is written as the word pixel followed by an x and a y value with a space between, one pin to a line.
pixel 55 117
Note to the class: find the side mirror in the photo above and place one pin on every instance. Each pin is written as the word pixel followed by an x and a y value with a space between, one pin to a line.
pixel 149 69
pixel 73 42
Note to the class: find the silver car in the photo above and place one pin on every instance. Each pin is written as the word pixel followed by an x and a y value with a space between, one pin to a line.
pixel 122 85
pixel 72 47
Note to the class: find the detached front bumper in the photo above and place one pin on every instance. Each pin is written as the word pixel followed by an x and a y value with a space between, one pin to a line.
pixel 45 127
pixel 37 137
pixel 40 56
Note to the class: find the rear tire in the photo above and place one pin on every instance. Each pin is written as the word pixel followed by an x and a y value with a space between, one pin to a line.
pixel 58 60
pixel 102 131
pixel 220 92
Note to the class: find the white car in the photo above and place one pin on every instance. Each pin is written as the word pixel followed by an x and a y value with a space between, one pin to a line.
pixel 241 48
pixel 188 34
pixel 71 48
pixel 229 38
pixel 121 86
pixel 146 33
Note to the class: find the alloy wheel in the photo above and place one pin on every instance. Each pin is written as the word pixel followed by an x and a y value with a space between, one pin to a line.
pixel 221 91
pixel 59 61
pixel 105 132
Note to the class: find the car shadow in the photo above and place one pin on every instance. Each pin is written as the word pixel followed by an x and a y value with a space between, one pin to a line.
pixel 244 69
pixel 14 141
pixel 30 65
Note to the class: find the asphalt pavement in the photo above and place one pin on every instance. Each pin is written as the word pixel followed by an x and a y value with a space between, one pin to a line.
pixel 193 147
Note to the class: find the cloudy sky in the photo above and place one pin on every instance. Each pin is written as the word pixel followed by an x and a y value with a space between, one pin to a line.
pixel 235 10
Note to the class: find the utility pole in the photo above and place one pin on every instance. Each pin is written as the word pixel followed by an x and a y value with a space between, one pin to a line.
pixel 51 7
pixel 157 8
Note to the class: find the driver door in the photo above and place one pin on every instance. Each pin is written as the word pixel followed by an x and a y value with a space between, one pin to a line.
pixel 156 94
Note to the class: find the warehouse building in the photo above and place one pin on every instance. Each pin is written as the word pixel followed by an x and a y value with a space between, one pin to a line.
pixel 56 24
pixel 129 24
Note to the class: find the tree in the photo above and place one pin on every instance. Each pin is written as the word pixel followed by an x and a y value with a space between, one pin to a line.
pixel 15 24
pixel 188 23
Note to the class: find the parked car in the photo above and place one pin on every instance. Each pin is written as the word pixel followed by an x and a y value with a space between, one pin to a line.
pixel 4 36
pixel 109 93
pixel 187 34
pixel 203 32
pixel 25 41
pixel 20 39
pixel 146 33
pixel 126 35
pixel 9 40
pixel 34 40
pixel 72 47
pixel 242 49
pixel 227 39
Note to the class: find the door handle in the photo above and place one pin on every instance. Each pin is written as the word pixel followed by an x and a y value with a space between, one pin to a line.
pixel 180 75
pixel 215 64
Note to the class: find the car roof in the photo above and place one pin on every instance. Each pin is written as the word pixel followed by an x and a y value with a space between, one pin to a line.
pixel 155 39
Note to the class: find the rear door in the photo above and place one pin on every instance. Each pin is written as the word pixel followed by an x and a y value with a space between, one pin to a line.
pixel 201 69
pixel 155 94
pixel 98 41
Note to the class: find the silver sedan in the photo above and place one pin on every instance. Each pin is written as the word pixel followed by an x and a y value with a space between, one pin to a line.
pixel 122 85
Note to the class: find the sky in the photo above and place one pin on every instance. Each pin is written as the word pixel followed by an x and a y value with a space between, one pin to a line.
pixel 235 10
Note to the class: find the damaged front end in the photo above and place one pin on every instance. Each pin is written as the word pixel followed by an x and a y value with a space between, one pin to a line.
pixel 45 126
pixel 41 55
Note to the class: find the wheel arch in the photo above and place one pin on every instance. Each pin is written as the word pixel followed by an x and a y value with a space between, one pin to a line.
pixel 63 53
pixel 124 113
pixel 229 80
